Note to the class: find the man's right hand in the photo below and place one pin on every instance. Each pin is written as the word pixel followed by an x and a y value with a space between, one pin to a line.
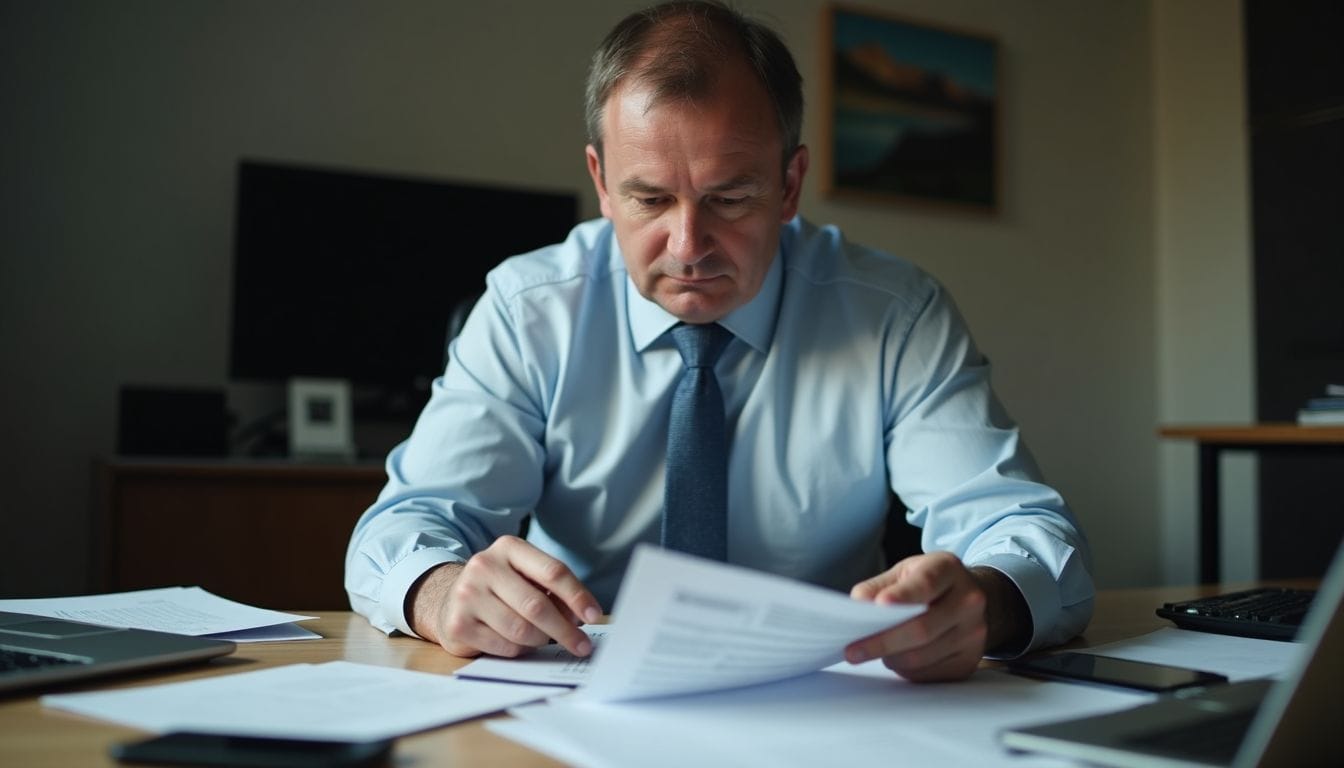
pixel 506 600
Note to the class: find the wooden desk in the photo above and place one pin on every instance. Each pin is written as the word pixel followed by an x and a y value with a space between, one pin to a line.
pixel 267 533
pixel 1213 440
pixel 34 737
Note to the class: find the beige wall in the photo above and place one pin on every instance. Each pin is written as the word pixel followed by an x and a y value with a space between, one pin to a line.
pixel 124 121
pixel 1205 358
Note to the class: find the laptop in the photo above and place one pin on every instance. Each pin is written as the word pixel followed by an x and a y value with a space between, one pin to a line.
pixel 36 651
pixel 1291 721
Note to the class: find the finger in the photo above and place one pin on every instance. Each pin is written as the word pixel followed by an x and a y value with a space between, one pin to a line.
pixel 917 654
pixel 956 618
pixel 919 579
pixel 529 589
pixel 868 589
pixel 555 578
pixel 894 585
pixel 566 611
pixel 476 638
pixel 476 621
pixel 953 655
pixel 524 614
pixel 904 636
pixel 951 665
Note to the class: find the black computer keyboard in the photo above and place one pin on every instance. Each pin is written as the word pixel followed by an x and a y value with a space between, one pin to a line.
pixel 1272 613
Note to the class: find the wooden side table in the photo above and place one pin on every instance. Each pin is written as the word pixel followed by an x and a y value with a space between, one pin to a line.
pixel 1212 440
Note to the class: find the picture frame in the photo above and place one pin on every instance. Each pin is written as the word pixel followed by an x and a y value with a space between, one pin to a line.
pixel 320 419
pixel 911 111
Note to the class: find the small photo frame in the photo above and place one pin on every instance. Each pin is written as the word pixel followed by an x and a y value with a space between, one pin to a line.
pixel 319 419
pixel 911 111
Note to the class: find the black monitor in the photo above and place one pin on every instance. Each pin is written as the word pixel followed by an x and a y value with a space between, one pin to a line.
pixel 351 275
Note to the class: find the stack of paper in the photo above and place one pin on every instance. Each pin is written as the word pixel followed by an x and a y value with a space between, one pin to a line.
pixel 708 632
pixel 689 625
pixel 708 664
pixel 339 701
pixel 179 610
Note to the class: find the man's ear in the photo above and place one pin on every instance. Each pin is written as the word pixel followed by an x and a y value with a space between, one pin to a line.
pixel 599 183
pixel 793 182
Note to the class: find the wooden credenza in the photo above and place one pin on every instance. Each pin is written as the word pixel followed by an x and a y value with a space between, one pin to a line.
pixel 266 533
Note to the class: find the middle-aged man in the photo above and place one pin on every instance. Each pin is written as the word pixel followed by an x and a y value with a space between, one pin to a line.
pixel 845 375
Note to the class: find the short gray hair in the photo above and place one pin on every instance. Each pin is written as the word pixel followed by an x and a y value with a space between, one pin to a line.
pixel 691 40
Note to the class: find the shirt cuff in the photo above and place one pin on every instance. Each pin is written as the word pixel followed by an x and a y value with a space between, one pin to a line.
pixel 399 580
pixel 1038 589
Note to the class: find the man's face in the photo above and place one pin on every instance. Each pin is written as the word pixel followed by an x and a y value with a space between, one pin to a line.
pixel 696 193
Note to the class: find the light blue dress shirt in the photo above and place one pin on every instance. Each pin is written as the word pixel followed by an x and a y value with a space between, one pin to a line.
pixel 851 376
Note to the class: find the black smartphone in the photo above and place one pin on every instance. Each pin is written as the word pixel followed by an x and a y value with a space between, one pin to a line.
pixel 1107 670
pixel 182 748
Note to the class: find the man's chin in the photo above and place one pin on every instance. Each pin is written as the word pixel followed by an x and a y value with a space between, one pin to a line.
pixel 694 306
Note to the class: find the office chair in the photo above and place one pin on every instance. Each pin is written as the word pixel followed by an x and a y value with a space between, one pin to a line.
pixel 900 539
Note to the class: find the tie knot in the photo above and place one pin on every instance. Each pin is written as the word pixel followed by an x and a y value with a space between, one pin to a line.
pixel 700 345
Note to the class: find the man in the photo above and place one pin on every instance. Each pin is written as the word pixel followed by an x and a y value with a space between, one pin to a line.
pixel 848 375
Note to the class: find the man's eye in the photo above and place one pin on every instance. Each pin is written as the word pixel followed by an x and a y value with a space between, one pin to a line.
pixel 730 201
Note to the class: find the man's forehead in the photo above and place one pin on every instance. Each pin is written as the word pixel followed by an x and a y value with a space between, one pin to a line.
pixel 635 112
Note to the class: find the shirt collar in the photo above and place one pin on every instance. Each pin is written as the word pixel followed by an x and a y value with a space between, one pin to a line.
pixel 753 322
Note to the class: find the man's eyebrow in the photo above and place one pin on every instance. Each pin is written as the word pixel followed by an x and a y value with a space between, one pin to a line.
pixel 744 181
pixel 638 186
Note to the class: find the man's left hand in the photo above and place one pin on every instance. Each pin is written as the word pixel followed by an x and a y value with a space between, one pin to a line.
pixel 948 640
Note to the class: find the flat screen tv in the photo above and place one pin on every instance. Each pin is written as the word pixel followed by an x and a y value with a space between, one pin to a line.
pixel 351 275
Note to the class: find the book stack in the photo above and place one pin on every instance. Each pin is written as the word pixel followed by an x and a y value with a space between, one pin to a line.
pixel 1324 411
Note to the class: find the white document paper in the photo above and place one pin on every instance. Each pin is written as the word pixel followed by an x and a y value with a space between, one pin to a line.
pixel 689 625
pixel 271 634
pixel 820 719
pixel 180 610
pixel 547 665
pixel 1240 658
pixel 339 700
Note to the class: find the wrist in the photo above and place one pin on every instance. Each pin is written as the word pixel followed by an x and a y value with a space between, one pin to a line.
pixel 1007 616
pixel 427 597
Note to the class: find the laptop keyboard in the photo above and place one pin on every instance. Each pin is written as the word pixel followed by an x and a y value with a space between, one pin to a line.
pixel 1272 613
pixel 1215 739
pixel 15 661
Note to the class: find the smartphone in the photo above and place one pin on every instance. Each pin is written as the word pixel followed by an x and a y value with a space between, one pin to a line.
pixel 182 748
pixel 1107 670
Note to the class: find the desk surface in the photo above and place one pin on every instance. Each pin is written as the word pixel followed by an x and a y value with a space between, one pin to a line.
pixel 33 736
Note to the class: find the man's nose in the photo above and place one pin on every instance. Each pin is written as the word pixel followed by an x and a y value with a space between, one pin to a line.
pixel 689 241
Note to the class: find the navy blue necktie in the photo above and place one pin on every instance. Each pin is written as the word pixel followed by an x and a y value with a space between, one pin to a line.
pixel 695 498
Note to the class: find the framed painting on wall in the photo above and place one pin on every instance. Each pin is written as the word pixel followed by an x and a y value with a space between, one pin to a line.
pixel 911 111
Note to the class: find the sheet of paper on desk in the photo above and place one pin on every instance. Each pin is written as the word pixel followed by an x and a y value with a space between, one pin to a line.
pixel 859 717
pixel 180 610
pixel 338 700
pixel 547 665
pixel 1240 658
pixel 689 625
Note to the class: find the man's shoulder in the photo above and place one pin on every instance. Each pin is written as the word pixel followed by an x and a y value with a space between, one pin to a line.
pixel 587 253
pixel 823 256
